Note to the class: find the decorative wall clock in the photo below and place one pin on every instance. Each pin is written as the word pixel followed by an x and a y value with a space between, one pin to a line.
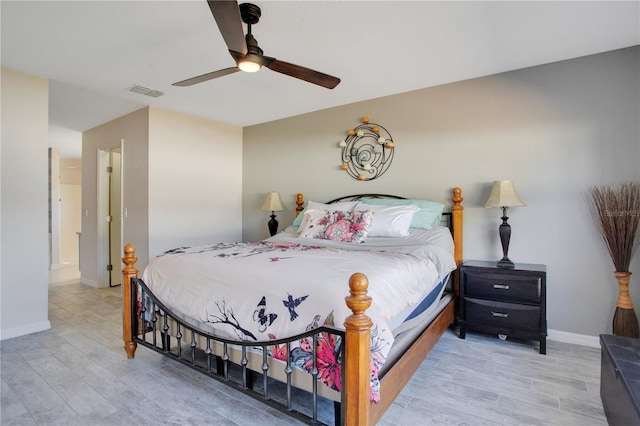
pixel 367 151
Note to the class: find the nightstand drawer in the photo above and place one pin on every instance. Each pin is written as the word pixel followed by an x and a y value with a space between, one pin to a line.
pixel 511 315
pixel 508 288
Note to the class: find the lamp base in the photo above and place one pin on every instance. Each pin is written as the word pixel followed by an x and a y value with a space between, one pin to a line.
pixel 273 225
pixel 505 236
pixel 505 263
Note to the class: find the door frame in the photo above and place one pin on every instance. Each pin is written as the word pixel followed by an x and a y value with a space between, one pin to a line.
pixel 103 196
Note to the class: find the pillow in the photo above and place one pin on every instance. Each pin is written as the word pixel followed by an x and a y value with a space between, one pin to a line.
pixel 390 221
pixel 345 206
pixel 306 217
pixel 427 217
pixel 336 225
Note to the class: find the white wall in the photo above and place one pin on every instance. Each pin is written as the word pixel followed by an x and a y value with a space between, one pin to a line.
pixel 54 208
pixel 65 208
pixel 182 180
pixel 195 181
pixel 70 222
pixel 132 130
pixel 24 253
pixel 554 130
pixel 70 207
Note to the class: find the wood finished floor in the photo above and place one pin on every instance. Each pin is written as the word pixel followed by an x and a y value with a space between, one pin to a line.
pixel 77 374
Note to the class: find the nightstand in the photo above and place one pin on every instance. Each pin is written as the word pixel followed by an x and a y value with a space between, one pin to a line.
pixel 508 302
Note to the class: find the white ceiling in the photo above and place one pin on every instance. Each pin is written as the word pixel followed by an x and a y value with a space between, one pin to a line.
pixel 92 52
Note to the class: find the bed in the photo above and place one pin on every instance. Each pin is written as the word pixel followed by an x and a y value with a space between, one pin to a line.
pixel 358 354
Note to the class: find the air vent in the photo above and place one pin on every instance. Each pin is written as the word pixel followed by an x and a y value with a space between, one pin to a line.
pixel 145 91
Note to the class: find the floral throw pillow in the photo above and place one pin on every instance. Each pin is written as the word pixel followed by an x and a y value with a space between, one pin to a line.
pixel 336 225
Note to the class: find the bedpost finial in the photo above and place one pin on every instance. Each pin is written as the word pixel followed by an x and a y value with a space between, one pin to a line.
pixel 299 203
pixel 358 301
pixel 358 283
pixel 129 258
pixel 457 196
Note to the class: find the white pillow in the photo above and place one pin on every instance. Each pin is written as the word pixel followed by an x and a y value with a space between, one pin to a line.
pixel 308 215
pixel 312 205
pixel 390 221
pixel 343 205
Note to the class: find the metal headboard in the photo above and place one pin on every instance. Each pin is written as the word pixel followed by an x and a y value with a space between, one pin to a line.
pixel 359 196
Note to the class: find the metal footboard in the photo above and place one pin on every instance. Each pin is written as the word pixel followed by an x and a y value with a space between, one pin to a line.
pixel 231 361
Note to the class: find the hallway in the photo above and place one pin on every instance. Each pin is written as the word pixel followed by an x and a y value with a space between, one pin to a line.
pixel 66 274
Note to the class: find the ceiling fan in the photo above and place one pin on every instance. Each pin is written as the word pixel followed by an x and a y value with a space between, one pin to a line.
pixel 245 50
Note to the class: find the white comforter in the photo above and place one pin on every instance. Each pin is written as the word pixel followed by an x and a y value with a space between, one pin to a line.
pixel 285 285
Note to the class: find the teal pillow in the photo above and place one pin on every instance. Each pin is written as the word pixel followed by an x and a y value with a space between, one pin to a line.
pixel 427 217
pixel 298 220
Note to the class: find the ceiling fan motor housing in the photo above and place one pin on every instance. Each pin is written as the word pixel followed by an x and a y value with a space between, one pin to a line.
pixel 250 13
pixel 252 45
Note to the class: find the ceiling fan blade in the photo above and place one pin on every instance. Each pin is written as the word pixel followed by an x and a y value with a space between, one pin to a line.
pixel 227 16
pixel 306 74
pixel 206 77
pixel 236 55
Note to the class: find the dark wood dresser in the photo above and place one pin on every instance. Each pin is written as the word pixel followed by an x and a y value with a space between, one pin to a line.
pixel 508 302
pixel 620 379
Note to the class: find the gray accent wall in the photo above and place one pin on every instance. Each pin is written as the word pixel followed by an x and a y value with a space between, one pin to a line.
pixel 554 129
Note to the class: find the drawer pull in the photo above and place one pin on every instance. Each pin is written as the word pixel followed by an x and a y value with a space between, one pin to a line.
pixel 499 314
pixel 501 286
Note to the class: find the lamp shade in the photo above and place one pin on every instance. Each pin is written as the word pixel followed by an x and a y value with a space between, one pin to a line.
pixel 503 194
pixel 273 203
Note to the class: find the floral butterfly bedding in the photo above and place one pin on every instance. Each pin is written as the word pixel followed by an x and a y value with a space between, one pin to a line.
pixel 286 285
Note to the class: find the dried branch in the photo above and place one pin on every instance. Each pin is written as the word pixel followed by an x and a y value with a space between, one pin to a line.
pixel 616 213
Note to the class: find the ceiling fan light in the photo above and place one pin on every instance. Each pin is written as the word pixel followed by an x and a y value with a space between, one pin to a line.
pixel 249 66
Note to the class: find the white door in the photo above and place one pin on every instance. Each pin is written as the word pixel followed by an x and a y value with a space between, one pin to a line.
pixel 110 216
pixel 115 211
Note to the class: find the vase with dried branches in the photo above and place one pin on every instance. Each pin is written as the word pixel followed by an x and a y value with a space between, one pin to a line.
pixel 616 212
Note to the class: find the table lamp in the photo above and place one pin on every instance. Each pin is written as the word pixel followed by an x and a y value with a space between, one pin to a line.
pixel 273 203
pixel 504 195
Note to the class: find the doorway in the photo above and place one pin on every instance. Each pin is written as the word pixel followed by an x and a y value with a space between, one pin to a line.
pixel 110 216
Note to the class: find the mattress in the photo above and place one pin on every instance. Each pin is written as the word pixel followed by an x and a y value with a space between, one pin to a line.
pixel 405 338
pixel 413 316
pixel 286 285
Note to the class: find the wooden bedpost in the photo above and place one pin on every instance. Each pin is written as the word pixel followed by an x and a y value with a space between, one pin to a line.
pixel 299 204
pixel 357 381
pixel 456 223
pixel 128 272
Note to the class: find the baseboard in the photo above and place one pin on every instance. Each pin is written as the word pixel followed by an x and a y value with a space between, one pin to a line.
pixel 576 339
pixel 92 283
pixel 63 264
pixel 24 330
